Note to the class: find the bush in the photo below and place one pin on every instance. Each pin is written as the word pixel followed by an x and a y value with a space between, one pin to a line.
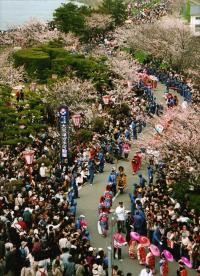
pixel 180 189
pixel 70 17
pixel 119 111
pixel 56 43
pixel 35 60
pixel 141 56
pixel 98 125
pixel 85 135
pixel 116 8
pixel 195 202
pixel 46 60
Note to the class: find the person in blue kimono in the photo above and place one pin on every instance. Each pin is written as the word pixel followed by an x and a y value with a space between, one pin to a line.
pixel 150 174
pixel 128 134
pixel 156 239
pixel 102 161
pixel 112 179
pixel 91 170
pixel 142 181
pixel 134 129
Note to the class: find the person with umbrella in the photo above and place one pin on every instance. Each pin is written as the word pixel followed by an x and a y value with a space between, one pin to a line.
pixel 163 266
pixel 181 271
pixel 150 261
pixel 141 254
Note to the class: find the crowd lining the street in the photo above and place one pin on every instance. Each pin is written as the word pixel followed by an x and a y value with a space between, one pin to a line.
pixel 40 232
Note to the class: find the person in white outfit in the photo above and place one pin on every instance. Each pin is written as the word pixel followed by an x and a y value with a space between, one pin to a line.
pixel 146 271
pixel 121 216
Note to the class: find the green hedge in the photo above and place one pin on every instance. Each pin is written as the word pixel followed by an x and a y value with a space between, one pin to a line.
pixel 34 60
pixel 46 60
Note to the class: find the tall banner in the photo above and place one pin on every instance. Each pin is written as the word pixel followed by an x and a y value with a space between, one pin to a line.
pixel 64 133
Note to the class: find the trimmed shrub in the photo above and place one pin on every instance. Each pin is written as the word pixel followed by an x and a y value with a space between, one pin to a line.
pixel 47 60
pixel 35 60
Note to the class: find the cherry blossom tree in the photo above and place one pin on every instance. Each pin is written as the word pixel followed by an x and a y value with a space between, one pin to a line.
pixel 73 92
pixel 171 41
pixel 178 144
pixel 9 75
pixel 34 32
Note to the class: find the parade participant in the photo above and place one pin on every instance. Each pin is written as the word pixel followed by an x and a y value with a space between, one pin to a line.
pixel 150 174
pixel 103 220
pixel 136 162
pixel 141 181
pixel 108 193
pixel 150 261
pixel 108 198
pixel 132 249
pixel 129 225
pixel 101 161
pixel 141 254
pixel 101 204
pixel 91 170
pixel 181 271
pixel 121 179
pixel 121 216
pixel 163 266
pixel 118 242
pixel 126 149
pixel 112 179
pixel 135 165
pixel 134 129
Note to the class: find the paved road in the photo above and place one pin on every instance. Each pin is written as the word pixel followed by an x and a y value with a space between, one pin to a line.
pixel 88 202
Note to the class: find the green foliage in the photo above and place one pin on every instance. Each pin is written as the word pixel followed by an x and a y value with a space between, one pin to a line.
pixel 141 56
pixel 19 120
pixel 91 34
pixel 85 135
pixel 180 189
pixel 186 10
pixel 56 43
pixel 117 8
pixel 70 17
pixel 120 111
pixel 98 125
pixel 119 12
pixel 13 185
pixel 107 6
pixel 61 62
pixel 195 202
pixel 35 61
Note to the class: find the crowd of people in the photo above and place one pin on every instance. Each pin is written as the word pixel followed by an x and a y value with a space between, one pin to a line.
pixel 147 11
pixel 39 211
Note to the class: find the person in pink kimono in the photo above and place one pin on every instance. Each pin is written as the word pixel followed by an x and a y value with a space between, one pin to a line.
pixel 118 241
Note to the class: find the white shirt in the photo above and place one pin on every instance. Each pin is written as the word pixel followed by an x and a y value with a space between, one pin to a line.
pixel 63 243
pixel 120 212
pixel 43 171
pixel 145 273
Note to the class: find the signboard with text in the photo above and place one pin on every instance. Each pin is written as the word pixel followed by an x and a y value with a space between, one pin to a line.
pixel 64 121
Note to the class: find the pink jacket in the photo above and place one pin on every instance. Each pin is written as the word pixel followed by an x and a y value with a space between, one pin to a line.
pixel 118 240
